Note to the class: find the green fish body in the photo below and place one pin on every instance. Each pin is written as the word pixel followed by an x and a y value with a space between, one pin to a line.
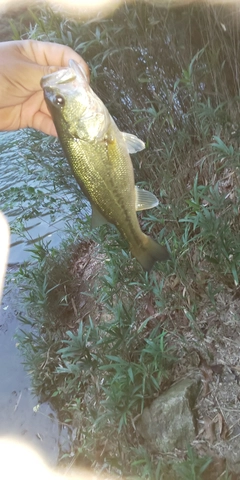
pixel 98 154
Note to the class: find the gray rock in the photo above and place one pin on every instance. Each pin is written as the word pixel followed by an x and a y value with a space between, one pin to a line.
pixel 170 421
pixel 233 457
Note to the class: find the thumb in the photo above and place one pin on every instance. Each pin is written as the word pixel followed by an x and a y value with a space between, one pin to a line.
pixel 48 69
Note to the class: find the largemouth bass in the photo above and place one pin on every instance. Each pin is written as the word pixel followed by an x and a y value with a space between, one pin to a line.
pixel 98 154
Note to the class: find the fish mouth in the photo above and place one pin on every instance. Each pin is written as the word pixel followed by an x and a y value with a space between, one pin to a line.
pixel 61 76
pixel 78 70
pixel 65 75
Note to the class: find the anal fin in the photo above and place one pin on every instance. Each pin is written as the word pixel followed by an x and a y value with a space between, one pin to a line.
pixel 97 218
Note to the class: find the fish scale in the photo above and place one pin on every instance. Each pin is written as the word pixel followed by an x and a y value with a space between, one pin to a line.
pixel 95 185
pixel 98 154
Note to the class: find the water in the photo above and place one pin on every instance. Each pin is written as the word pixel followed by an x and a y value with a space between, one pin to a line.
pixel 36 207
pixel 20 415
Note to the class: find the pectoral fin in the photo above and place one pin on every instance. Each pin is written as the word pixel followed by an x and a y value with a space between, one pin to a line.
pixel 134 144
pixel 97 218
pixel 144 200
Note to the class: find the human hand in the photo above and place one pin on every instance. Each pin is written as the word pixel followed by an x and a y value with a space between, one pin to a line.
pixel 22 65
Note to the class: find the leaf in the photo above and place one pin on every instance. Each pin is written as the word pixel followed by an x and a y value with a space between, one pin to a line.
pixel 55 393
pixel 207 374
pixel 222 426
pixel 209 428
pixel 130 373
pixel 150 309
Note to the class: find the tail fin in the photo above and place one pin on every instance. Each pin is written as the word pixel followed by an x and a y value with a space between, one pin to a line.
pixel 149 253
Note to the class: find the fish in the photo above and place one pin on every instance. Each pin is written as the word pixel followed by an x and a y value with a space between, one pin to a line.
pixel 99 156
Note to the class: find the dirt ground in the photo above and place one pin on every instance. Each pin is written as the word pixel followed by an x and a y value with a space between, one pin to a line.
pixel 215 356
pixel 219 404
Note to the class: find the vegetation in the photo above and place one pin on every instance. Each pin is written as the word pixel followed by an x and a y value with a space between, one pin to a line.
pixel 102 369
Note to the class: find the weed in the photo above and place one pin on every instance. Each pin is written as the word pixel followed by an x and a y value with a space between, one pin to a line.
pixel 193 467
pixel 101 371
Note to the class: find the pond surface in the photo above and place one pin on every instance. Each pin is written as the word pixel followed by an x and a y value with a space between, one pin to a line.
pixel 20 415
pixel 22 180
pixel 35 209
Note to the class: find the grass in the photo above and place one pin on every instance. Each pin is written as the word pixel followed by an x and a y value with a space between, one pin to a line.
pixel 102 371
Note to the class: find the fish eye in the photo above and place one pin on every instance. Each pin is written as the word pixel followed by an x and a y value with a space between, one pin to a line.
pixel 59 100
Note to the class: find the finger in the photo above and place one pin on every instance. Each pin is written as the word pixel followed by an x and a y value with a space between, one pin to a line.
pixel 51 54
pixel 44 123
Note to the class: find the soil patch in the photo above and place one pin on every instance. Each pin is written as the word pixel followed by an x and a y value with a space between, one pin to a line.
pixel 212 350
